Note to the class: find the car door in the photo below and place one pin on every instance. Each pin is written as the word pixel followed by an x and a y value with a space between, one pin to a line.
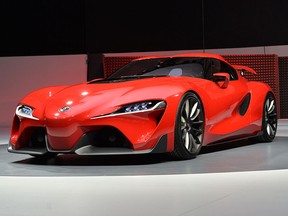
pixel 222 103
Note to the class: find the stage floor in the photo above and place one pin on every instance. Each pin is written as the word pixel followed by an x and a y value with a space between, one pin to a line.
pixel 239 178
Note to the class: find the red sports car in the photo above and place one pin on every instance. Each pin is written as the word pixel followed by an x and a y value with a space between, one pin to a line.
pixel 160 104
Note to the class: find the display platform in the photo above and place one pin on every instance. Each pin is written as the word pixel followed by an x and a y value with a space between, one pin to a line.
pixel 239 178
pixel 229 157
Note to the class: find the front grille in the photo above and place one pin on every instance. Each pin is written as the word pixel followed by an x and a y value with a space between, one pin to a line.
pixel 107 137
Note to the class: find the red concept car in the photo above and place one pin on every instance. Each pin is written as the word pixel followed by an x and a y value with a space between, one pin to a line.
pixel 161 104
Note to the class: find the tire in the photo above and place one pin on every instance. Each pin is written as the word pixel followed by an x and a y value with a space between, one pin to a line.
pixel 269 119
pixel 189 127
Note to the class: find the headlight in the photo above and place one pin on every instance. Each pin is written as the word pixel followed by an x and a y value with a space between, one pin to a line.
pixel 25 111
pixel 142 106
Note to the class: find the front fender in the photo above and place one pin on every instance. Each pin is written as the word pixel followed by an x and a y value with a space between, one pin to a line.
pixel 38 99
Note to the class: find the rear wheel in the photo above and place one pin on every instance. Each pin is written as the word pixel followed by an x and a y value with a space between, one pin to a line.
pixel 269 119
pixel 189 127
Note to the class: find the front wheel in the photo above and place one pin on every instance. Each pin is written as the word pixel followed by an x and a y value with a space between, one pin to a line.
pixel 189 127
pixel 269 119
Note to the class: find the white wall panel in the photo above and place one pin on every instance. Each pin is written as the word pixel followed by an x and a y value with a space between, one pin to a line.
pixel 238 51
pixel 279 50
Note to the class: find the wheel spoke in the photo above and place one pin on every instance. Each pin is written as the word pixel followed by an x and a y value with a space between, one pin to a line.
pixel 193 145
pixel 187 141
pixel 184 134
pixel 267 105
pixel 271 107
pixel 183 126
pixel 270 130
pixel 198 122
pixel 200 137
pixel 183 119
pixel 183 123
pixel 196 114
pixel 187 109
pixel 193 109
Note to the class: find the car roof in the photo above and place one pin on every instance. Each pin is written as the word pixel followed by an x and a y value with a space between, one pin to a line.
pixel 203 55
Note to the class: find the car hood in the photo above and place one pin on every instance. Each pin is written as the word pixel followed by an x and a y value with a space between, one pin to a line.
pixel 100 98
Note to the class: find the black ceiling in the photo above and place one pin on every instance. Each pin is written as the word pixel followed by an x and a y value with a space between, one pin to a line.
pixel 45 27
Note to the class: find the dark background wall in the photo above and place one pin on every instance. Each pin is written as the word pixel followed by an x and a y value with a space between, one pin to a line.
pixel 45 27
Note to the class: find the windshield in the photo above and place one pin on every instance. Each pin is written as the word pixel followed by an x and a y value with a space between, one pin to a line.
pixel 180 66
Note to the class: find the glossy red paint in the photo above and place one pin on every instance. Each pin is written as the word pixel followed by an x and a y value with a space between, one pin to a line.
pixel 66 116
pixel 242 68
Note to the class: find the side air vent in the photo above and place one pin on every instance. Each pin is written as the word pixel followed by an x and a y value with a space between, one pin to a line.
pixel 244 104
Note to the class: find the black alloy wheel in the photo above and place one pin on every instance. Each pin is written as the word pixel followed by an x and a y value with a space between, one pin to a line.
pixel 269 119
pixel 189 127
